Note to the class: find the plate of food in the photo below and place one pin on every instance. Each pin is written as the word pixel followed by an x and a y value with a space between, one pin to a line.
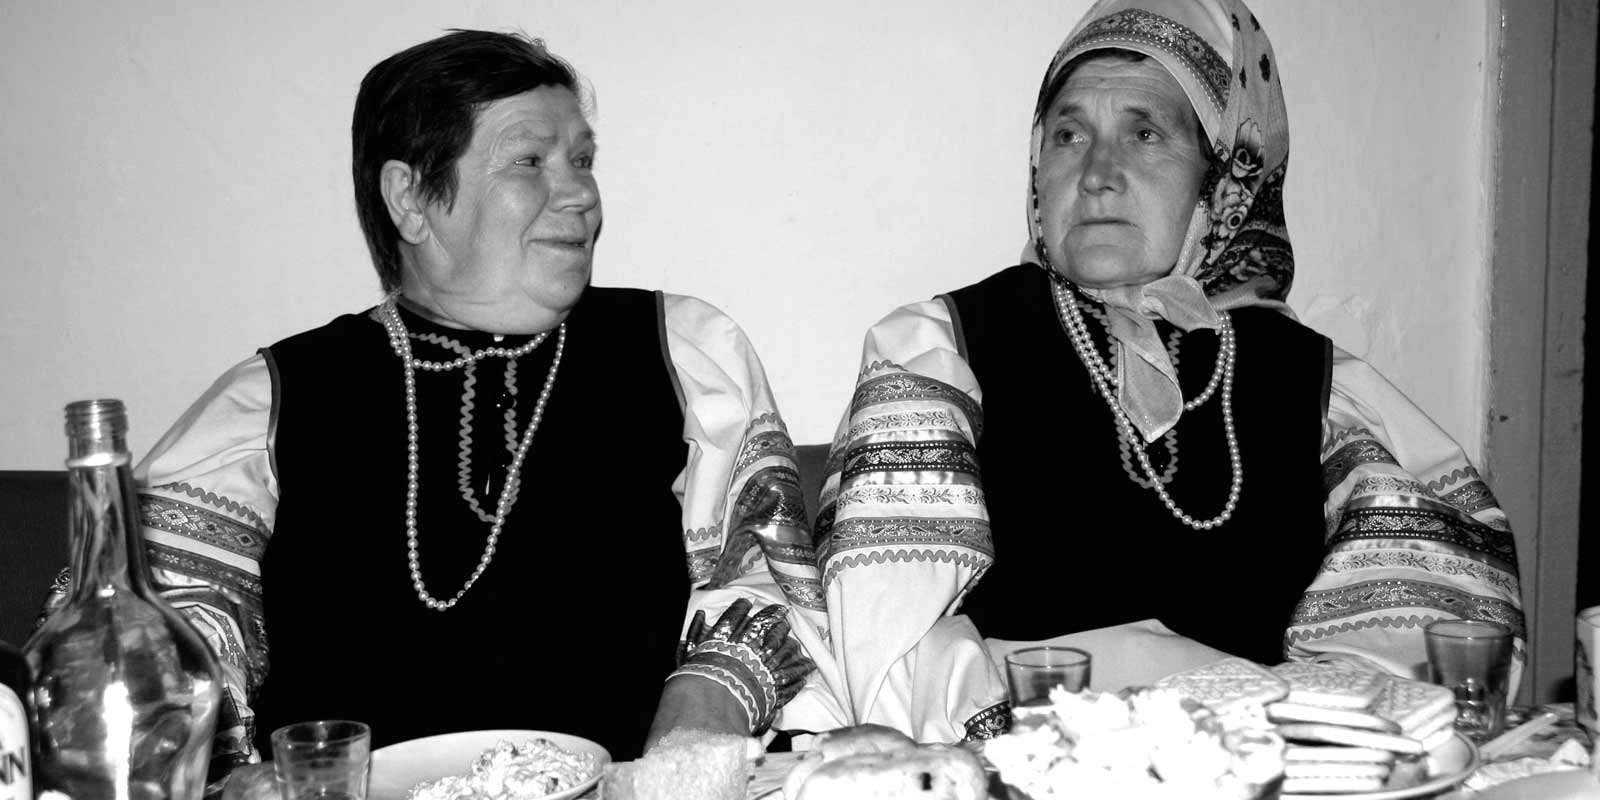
pixel 516 764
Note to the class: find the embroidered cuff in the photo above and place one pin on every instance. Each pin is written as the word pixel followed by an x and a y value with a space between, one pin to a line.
pixel 752 651
pixel 990 722
pixel 727 680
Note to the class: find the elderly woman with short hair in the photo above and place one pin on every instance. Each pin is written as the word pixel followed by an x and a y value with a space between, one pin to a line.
pixel 435 506
pixel 1128 440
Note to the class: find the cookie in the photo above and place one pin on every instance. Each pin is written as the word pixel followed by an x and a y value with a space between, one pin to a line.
pixel 1331 784
pixel 1330 686
pixel 1438 738
pixel 1285 711
pixel 1414 706
pixel 1316 733
pixel 1351 769
pixel 1338 754
pixel 1222 685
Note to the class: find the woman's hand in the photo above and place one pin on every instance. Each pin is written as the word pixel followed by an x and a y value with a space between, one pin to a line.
pixel 751 657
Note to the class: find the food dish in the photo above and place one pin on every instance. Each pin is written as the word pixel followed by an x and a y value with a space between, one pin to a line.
pixel 1144 744
pixel 1448 765
pixel 398 767
pixel 1574 784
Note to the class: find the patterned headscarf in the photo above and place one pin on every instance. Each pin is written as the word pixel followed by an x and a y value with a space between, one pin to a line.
pixel 1236 250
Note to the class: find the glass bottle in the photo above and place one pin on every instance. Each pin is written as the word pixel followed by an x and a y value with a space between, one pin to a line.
pixel 125 691
pixel 16 755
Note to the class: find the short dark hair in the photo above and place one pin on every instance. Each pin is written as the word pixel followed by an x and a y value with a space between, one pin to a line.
pixel 420 106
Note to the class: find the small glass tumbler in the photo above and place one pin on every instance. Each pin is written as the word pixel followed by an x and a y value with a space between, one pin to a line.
pixel 322 760
pixel 1033 671
pixel 1472 658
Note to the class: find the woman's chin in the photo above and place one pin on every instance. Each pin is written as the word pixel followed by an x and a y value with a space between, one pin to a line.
pixel 1108 268
pixel 515 313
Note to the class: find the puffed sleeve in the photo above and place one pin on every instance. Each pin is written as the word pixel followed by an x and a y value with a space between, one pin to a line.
pixel 903 534
pixel 744 522
pixel 1413 534
pixel 207 497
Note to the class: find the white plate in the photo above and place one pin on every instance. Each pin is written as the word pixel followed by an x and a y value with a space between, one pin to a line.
pixel 1448 765
pixel 1575 784
pixel 398 767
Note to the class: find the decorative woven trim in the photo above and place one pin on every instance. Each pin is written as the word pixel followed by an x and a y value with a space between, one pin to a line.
pixel 1138 27
pixel 941 456
pixel 1410 523
pixel 989 723
pixel 1374 597
pixel 747 658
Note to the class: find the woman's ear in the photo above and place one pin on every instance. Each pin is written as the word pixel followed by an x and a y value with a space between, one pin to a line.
pixel 402 194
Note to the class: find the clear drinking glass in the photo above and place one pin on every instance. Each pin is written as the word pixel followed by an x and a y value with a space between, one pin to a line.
pixel 1585 657
pixel 1472 658
pixel 1033 671
pixel 322 760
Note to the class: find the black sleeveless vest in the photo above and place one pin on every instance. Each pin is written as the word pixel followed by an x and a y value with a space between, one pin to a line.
pixel 536 643
pixel 1078 545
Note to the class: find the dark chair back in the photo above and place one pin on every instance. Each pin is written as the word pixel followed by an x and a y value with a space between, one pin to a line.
pixel 33 546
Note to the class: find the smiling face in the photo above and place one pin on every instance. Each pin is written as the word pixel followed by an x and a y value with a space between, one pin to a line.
pixel 1119 172
pixel 513 252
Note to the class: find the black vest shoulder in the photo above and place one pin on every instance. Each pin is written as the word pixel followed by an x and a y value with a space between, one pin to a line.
pixel 595 519
pixel 1078 544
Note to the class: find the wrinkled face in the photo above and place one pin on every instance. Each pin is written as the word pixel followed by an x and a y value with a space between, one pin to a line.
pixel 1119 173
pixel 513 253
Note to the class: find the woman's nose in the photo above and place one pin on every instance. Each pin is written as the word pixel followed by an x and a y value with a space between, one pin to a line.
pixel 575 189
pixel 1102 168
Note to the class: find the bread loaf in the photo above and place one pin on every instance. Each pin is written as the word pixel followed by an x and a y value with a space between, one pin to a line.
pixel 928 772
pixel 685 763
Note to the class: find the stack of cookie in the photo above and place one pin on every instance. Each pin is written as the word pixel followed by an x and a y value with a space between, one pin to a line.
pixel 1352 731
pixel 1346 730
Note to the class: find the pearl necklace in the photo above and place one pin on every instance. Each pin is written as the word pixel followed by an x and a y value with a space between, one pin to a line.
pixel 400 341
pixel 1100 374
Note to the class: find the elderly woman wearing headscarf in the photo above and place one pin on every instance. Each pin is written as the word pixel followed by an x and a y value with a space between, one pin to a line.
pixel 1129 434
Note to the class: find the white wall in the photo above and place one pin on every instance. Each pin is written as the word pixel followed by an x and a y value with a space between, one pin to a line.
pixel 174 178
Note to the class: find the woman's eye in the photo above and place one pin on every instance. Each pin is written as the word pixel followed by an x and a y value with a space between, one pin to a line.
pixel 531 161
pixel 1065 136
pixel 1148 135
pixel 584 162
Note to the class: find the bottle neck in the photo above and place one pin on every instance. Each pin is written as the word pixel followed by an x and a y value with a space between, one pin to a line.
pixel 107 545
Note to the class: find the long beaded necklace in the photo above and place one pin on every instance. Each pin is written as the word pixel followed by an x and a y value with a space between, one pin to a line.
pixel 469 412
pixel 400 341
pixel 1104 380
pixel 1169 440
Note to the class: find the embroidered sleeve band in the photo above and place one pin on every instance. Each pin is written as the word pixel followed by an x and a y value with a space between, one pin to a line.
pixel 751 655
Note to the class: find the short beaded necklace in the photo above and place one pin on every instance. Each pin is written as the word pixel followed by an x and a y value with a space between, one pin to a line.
pixel 400 341
pixel 1104 380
